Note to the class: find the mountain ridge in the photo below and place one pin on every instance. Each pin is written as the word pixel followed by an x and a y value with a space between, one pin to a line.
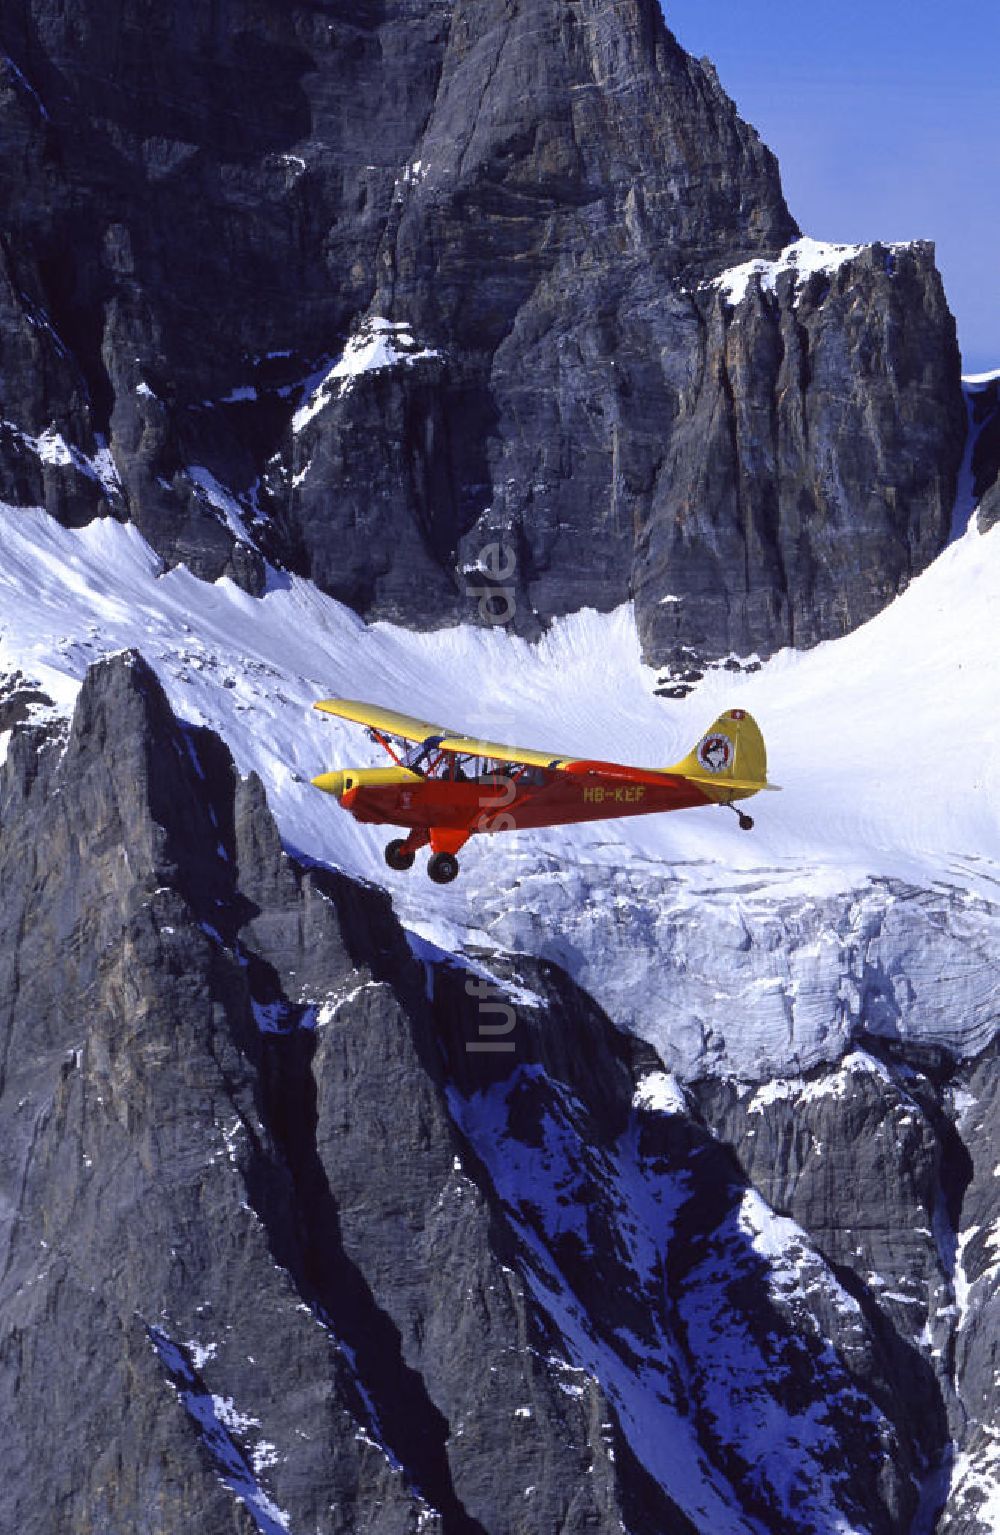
pixel 170 1141
pixel 303 308
pixel 544 199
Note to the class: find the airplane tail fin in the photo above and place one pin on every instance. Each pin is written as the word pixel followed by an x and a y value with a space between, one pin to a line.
pixel 730 760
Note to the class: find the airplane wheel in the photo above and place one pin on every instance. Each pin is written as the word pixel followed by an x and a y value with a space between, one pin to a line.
pixel 396 858
pixel 443 868
pixel 746 823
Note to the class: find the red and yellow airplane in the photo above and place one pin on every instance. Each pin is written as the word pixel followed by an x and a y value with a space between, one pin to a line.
pixel 447 787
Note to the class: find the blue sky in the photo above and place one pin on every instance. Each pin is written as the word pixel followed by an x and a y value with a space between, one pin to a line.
pixel 885 117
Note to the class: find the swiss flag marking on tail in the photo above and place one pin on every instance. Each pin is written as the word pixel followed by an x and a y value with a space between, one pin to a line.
pixel 737 714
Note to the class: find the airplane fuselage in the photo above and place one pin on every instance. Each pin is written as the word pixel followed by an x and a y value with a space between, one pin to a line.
pixel 498 803
pixel 447 787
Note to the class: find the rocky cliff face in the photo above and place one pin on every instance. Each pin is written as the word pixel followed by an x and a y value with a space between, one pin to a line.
pixel 366 288
pixel 305 1228
pixel 291 1239
pixel 811 470
pixel 984 401
pixel 247 1282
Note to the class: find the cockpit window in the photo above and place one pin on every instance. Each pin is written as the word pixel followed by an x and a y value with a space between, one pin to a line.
pixel 416 758
pixel 424 757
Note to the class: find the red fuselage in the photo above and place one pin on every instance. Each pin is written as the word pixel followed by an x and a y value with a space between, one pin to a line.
pixel 447 787
pixel 528 798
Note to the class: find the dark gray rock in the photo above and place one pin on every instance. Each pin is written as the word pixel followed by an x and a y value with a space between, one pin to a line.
pixel 539 194
pixel 636 1223
pixel 984 402
pixel 575 163
pixel 156 147
pixel 21 700
pixel 812 470
pixel 890 1165
pixel 281 1240
pixel 989 509
pixel 244 1278
pixel 48 444
pixel 974 1357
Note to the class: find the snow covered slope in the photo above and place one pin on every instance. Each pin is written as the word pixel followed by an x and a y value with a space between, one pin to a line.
pixel 734 952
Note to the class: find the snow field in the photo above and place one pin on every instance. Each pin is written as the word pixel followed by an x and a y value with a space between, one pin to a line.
pixel 885 744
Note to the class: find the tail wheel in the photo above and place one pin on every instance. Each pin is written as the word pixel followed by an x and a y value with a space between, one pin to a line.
pixel 443 868
pixel 746 822
pixel 395 856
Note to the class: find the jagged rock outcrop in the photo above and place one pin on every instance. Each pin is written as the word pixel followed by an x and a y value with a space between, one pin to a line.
pixel 989 509
pixel 372 287
pixel 304 1226
pixel 815 454
pixel 985 423
pixel 915 1245
pixel 974 1494
pixel 240 1259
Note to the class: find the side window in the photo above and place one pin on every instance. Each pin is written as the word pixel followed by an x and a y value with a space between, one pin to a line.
pixel 415 758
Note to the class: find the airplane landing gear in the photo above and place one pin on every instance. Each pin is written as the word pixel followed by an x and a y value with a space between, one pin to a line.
pixel 396 858
pixel 746 821
pixel 443 868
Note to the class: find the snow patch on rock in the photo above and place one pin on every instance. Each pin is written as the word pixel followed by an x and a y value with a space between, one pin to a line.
pixel 803 259
pixel 52 448
pixel 660 1093
pixel 377 345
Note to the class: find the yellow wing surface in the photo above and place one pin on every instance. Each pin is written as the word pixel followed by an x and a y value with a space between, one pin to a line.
pixel 729 762
pixel 469 746
pixel 411 729
pixel 386 720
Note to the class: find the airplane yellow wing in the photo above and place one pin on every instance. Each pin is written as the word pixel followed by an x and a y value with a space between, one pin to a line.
pixel 411 729
pixel 471 747
pixel 732 746
pixel 386 720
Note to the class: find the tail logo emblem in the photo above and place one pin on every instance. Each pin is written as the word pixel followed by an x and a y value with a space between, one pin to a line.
pixel 715 753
